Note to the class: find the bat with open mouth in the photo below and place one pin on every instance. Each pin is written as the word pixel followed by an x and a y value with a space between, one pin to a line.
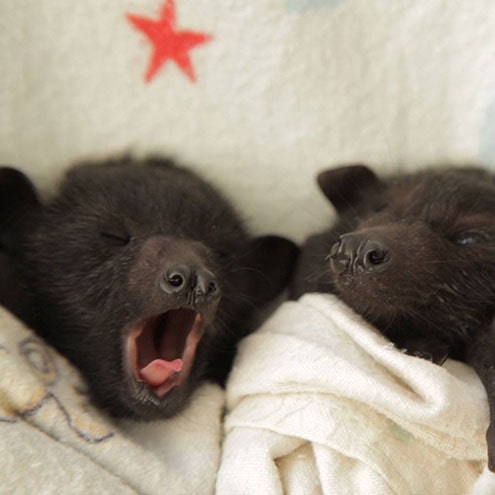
pixel 140 273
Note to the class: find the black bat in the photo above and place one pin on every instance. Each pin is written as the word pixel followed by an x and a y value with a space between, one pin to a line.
pixel 414 254
pixel 141 274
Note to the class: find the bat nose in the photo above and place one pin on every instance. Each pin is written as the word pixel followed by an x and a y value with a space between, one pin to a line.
pixel 183 279
pixel 355 251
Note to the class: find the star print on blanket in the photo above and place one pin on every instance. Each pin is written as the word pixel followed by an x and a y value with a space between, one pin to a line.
pixel 168 42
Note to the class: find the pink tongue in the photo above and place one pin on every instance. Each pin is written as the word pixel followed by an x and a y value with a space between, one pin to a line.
pixel 159 371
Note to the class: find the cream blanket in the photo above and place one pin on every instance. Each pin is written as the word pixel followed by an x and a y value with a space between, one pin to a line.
pixel 52 441
pixel 320 403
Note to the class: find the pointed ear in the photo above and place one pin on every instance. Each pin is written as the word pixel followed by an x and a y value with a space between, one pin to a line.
pixel 16 191
pixel 272 260
pixel 343 186
pixel 17 197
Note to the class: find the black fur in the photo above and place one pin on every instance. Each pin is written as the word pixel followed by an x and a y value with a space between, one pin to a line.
pixel 101 256
pixel 415 256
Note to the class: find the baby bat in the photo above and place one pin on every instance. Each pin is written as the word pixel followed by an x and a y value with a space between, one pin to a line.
pixel 414 254
pixel 141 274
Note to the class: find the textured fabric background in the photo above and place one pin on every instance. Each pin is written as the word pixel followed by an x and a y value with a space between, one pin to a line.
pixel 283 89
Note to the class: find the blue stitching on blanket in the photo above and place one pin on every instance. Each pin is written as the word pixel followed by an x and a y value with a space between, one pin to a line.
pixel 31 348
pixel 7 420
pixel 77 431
pixel 48 365
pixel 305 5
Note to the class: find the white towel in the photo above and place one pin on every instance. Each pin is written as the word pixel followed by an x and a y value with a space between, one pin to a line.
pixel 52 441
pixel 320 402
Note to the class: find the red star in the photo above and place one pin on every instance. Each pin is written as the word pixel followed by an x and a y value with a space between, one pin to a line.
pixel 168 43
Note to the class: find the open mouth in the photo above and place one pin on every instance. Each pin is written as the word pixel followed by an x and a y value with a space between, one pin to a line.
pixel 161 349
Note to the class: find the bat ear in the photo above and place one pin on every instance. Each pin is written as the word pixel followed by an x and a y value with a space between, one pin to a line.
pixel 272 260
pixel 18 197
pixel 18 200
pixel 343 186
pixel 268 264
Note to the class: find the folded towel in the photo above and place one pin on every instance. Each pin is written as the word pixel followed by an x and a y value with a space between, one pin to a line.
pixel 320 402
pixel 52 441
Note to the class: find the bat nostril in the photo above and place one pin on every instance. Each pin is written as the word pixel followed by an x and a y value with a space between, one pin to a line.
pixel 212 288
pixel 375 257
pixel 206 285
pixel 176 279
pixel 343 252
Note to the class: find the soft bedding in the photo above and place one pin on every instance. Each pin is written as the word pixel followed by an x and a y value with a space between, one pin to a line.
pixel 53 441
pixel 319 402
pixel 267 93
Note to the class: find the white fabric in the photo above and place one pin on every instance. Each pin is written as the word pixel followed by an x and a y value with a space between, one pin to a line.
pixel 319 402
pixel 285 88
pixel 485 485
pixel 52 441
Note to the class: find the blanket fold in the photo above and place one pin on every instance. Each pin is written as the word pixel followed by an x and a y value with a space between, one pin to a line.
pixel 52 440
pixel 320 402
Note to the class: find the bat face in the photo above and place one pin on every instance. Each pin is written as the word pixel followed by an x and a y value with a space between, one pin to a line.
pixel 143 277
pixel 413 254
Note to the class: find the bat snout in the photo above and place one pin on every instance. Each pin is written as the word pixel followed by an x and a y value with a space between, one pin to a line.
pixel 356 252
pixel 185 278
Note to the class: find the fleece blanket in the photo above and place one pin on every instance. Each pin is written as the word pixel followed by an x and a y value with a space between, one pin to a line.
pixel 52 441
pixel 320 403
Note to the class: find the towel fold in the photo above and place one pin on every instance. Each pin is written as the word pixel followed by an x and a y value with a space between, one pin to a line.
pixel 320 402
